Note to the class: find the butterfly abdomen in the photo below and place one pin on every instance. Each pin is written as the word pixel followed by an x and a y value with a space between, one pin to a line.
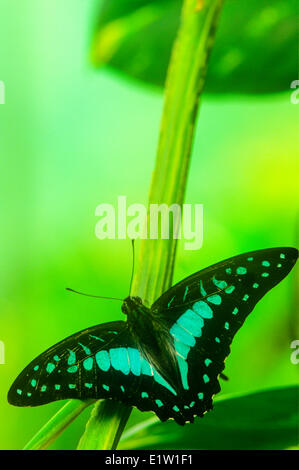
pixel 154 340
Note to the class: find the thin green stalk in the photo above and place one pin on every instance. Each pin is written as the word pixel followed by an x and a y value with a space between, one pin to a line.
pixel 185 81
pixel 57 424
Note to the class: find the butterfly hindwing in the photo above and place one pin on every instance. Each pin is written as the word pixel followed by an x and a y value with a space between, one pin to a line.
pixel 71 368
pixel 205 311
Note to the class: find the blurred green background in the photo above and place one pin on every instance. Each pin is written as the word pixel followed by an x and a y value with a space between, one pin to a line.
pixel 73 137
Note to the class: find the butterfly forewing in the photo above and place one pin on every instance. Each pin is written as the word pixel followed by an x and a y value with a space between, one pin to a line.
pixel 70 368
pixel 205 311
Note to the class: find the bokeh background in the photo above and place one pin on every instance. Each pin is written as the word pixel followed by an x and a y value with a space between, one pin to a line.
pixel 72 137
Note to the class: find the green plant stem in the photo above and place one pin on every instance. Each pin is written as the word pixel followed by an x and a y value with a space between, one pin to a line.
pixel 109 419
pixel 185 82
pixel 57 424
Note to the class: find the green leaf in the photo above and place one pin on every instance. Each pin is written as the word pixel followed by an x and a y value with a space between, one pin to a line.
pixel 261 420
pixel 255 51
pixel 57 424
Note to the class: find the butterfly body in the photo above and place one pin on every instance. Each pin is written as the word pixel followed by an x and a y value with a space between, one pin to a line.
pixel 152 335
pixel 166 358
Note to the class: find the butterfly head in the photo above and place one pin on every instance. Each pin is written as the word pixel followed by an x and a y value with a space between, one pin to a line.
pixel 131 304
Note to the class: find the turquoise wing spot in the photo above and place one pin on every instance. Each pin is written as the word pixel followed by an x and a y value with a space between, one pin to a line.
pixel 169 303
pixel 144 395
pixel 85 348
pixel 103 361
pixel 208 362
pixel 241 270
pixel 183 367
pixel 120 360
pixel 88 385
pixel 220 284
pixel 265 274
pixel 72 358
pixel 181 349
pixel 146 368
pixel 191 322
pixel 266 263
pixel 33 382
pixel 182 335
pixel 203 309
pixel 159 379
pixel 88 363
pixel 202 291
pixel 50 367
pixel 235 311
pixel 214 299
pixel 206 378
pixel 96 337
pixel 135 361
pixel 159 403
pixel 185 293
pixel 184 331
pixel 72 369
pixel 230 289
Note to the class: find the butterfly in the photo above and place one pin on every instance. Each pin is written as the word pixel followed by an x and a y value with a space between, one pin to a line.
pixel 166 358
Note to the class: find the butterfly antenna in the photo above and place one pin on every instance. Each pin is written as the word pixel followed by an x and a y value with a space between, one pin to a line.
pixel 133 265
pixel 90 295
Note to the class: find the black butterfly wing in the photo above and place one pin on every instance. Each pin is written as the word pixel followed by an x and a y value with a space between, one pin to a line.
pixel 99 362
pixel 205 311
pixel 69 369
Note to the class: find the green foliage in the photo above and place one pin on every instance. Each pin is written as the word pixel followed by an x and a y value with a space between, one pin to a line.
pixel 57 424
pixel 255 51
pixel 262 420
